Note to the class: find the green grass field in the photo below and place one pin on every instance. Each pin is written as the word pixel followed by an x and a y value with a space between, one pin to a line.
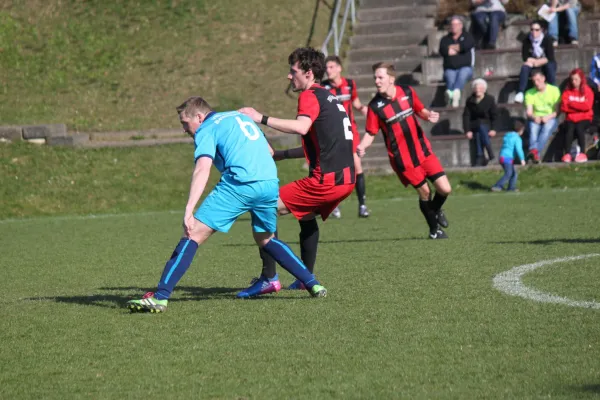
pixel 405 317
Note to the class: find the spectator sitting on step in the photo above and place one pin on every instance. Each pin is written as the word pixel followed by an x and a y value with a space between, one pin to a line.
pixel 577 102
pixel 511 151
pixel 458 50
pixel 541 102
pixel 479 120
pixel 571 9
pixel 595 71
pixel 537 52
pixel 487 17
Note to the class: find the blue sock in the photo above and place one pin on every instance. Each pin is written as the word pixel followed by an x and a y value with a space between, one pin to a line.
pixel 290 262
pixel 180 261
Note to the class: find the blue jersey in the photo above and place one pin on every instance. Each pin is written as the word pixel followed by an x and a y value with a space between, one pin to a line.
pixel 237 146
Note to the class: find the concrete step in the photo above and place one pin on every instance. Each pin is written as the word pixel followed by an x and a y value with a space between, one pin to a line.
pixel 402 77
pixel 389 39
pixel 137 135
pixel 506 63
pixel 394 26
pixel 391 53
pixel 402 64
pixel 136 143
pixel 397 12
pixel 365 4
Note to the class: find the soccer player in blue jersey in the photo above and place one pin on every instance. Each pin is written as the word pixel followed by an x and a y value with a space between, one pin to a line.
pixel 239 150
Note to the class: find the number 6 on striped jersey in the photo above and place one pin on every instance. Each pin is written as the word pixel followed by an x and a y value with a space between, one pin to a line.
pixel 347 124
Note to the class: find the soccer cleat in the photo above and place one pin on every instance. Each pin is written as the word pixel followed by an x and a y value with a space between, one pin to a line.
pixel 318 291
pixel 439 234
pixel 261 286
pixel 336 213
pixel 581 158
pixel 566 158
pixel 148 303
pixel 441 219
pixel 297 285
pixel 363 212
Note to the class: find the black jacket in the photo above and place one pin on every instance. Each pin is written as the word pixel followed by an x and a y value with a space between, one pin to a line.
pixel 466 55
pixel 527 49
pixel 484 112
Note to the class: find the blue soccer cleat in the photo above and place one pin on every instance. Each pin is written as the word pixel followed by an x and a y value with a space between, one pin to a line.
pixel 297 285
pixel 261 286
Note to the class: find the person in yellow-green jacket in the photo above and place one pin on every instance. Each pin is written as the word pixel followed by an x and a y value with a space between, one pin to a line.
pixel 541 101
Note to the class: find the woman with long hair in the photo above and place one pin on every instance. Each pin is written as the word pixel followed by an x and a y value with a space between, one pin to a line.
pixel 577 102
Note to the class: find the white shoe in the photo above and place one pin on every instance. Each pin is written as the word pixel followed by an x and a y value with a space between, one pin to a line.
pixel 519 97
pixel 448 97
pixel 336 213
pixel 456 98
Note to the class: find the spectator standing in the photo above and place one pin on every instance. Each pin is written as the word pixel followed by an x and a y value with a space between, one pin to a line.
pixel 577 103
pixel 595 71
pixel 479 120
pixel 571 8
pixel 458 50
pixel 536 52
pixel 541 102
pixel 512 149
pixel 487 17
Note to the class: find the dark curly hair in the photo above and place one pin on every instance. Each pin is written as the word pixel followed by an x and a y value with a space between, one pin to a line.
pixel 309 59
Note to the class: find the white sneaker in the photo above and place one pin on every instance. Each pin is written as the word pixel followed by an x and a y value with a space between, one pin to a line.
pixel 456 98
pixel 448 97
pixel 336 213
pixel 519 97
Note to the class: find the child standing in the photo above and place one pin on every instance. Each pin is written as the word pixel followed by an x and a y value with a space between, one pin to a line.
pixel 511 145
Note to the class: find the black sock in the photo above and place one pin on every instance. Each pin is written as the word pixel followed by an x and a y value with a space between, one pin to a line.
pixel 429 215
pixel 309 240
pixel 269 269
pixel 360 188
pixel 437 202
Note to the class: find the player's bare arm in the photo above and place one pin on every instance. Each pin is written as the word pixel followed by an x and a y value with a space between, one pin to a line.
pixel 359 106
pixel 296 152
pixel 298 126
pixel 429 115
pixel 366 141
pixel 199 180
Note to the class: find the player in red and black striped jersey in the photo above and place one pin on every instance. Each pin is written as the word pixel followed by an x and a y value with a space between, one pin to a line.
pixel 393 111
pixel 345 90
pixel 327 137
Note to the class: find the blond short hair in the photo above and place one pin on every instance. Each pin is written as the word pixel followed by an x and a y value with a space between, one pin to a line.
pixel 391 70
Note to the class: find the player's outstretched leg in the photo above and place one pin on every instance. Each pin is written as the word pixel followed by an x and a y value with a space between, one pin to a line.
pixel 281 252
pixel 267 282
pixel 178 264
pixel 309 242
pixel 430 216
pixel 361 189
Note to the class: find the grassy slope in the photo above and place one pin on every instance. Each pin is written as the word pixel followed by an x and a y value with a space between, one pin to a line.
pixel 56 181
pixel 125 64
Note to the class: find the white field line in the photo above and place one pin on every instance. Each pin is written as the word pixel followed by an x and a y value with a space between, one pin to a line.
pixel 510 283
pixel 393 199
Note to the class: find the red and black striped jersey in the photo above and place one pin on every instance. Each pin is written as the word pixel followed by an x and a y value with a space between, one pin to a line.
pixel 328 143
pixel 346 93
pixel 406 142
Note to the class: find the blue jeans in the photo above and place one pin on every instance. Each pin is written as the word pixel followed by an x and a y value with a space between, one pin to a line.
pixel 457 78
pixel 549 71
pixel 510 175
pixel 572 29
pixel 539 135
pixel 482 140
pixel 488 25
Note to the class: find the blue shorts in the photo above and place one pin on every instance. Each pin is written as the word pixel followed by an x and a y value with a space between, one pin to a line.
pixel 229 200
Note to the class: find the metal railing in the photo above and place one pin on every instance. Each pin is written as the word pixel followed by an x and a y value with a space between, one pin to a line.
pixel 336 33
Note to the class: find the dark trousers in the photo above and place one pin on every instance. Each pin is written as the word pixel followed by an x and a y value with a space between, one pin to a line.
pixel 481 136
pixel 577 130
pixel 549 70
pixel 487 26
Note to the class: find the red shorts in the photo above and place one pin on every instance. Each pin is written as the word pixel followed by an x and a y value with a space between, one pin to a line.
pixel 430 168
pixel 307 195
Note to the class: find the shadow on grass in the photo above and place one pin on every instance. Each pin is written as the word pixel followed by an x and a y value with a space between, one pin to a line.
pixel 369 240
pixel 546 242
pixel 589 388
pixel 184 293
pixel 474 185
